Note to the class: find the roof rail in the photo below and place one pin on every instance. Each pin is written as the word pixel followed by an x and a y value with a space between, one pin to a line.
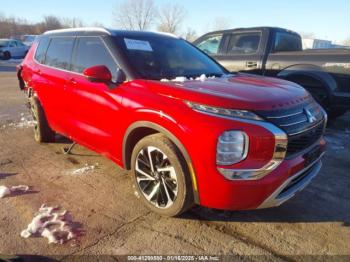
pixel 80 29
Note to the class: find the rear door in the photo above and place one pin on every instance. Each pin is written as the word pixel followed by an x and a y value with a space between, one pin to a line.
pixel 243 51
pixel 50 78
pixel 93 107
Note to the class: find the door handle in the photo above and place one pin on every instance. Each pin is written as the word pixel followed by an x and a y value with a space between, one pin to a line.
pixel 251 64
pixel 72 81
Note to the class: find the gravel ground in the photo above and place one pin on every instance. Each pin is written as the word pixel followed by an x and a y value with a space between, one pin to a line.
pixel 113 222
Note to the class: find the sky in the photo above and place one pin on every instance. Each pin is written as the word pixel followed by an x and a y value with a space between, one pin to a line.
pixel 326 19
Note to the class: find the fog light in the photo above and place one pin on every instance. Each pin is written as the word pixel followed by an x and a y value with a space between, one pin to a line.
pixel 232 148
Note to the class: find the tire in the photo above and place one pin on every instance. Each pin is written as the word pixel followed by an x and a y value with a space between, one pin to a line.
pixel 42 131
pixel 7 55
pixel 169 192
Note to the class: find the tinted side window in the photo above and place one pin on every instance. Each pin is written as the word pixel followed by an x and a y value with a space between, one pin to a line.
pixel 41 49
pixel 211 44
pixel 13 44
pixel 287 42
pixel 19 43
pixel 59 52
pixel 91 51
pixel 244 43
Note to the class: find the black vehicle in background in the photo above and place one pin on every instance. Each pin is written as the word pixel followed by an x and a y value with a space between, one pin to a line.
pixel 278 52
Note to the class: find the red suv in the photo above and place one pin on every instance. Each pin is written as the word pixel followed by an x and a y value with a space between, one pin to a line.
pixel 189 131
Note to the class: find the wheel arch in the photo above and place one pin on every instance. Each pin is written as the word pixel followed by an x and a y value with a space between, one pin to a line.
pixel 310 77
pixel 141 129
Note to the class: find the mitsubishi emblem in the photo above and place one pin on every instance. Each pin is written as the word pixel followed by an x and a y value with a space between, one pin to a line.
pixel 310 117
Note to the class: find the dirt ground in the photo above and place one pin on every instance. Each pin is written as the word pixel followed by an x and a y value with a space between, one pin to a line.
pixel 114 222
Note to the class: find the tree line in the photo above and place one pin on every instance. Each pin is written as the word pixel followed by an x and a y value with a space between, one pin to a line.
pixel 128 15
pixel 15 27
pixel 146 15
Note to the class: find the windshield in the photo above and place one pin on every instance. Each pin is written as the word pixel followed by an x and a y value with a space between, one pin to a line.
pixel 157 57
pixel 3 43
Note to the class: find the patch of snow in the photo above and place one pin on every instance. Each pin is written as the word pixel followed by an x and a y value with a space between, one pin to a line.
pixel 180 79
pixel 183 79
pixel 6 191
pixel 51 223
pixel 26 121
pixel 86 169
pixel 202 78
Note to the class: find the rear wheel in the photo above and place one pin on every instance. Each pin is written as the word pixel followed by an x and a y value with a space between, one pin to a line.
pixel 42 131
pixel 161 177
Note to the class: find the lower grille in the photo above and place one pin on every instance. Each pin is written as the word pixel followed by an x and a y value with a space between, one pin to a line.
pixel 298 179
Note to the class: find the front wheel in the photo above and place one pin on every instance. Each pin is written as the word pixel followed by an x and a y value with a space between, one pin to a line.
pixel 161 177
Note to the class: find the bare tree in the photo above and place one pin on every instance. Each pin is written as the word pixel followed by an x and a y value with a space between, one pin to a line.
pixel 97 24
pixel 135 14
pixel 190 35
pixel 71 22
pixel 221 23
pixel 171 17
pixel 16 27
pixel 52 22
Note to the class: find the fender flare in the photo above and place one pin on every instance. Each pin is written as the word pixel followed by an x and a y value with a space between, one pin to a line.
pixel 174 139
pixel 311 71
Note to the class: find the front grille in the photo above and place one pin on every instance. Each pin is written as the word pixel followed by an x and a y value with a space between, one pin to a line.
pixel 296 122
pixel 304 140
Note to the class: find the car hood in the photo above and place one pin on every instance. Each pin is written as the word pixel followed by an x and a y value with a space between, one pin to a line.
pixel 240 91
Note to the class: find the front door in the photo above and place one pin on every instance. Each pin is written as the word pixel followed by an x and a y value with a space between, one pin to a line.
pixel 93 107
pixel 243 52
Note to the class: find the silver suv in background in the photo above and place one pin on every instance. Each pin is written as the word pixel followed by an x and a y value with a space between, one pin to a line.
pixel 10 48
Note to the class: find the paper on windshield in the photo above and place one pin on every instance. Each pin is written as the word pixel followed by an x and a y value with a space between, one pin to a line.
pixel 139 45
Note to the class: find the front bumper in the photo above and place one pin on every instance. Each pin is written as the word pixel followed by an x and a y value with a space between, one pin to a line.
pixel 293 185
pixel 280 185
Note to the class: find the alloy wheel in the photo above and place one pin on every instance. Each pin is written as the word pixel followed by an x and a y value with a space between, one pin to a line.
pixel 156 177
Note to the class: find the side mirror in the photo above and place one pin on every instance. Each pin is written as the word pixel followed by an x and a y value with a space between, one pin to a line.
pixel 98 74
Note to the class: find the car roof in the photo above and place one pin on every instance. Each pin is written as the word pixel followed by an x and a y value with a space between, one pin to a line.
pixel 93 31
pixel 279 29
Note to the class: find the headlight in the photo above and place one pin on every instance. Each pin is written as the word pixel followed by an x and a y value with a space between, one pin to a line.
pixel 232 148
pixel 231 113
